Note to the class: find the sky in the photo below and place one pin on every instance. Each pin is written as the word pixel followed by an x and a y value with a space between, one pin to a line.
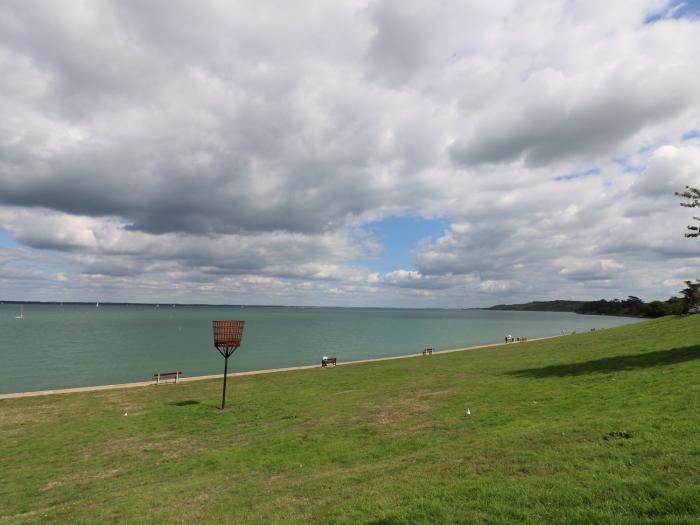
pixel 347 153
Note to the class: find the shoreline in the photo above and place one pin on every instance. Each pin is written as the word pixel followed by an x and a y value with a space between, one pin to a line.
pixel 141 384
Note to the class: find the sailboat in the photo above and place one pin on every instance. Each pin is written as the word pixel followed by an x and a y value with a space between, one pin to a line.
pixel 21 312
pixel 97 304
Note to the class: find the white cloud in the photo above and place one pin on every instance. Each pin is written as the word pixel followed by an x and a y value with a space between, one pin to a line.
pixel 670 169
pixel 215 150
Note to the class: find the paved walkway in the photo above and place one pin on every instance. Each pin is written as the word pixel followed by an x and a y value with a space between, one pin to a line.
pixel 238 374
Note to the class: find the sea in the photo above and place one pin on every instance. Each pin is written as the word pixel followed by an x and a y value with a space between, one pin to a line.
pixel 61 346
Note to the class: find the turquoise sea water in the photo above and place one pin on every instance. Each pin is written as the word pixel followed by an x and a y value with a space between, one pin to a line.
pixel 57 346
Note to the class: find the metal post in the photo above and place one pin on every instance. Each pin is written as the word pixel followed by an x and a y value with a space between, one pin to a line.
pixel 223 399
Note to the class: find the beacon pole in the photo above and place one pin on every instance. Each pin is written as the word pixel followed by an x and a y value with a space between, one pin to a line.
pixel 223 398
pixel 227 338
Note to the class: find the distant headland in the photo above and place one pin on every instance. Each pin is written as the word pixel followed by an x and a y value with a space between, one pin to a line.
pixel 631 307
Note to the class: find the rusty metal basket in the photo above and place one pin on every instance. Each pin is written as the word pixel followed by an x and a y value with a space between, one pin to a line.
pixel 227 334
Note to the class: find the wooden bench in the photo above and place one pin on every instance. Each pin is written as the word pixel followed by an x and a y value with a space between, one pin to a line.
pixel 327 361
pixel 166 375
pixel 428 351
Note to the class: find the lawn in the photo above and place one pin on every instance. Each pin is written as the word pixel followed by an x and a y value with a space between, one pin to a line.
pixel 599 427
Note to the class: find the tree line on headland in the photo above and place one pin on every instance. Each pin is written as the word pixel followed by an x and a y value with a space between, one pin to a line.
pixel 632 306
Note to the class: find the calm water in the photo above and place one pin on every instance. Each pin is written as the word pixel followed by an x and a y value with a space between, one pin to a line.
pixel 67 346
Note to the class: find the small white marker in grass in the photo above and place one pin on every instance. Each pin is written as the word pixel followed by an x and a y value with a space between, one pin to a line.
pixel 467 412
pixel 126 414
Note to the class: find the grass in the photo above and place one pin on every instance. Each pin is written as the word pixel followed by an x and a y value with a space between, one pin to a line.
pixel 601 427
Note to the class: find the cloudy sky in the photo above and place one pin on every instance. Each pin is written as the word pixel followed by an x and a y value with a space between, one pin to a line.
pixel 385 153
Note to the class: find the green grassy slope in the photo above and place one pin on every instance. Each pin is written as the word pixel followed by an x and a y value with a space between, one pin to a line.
pixel 600 427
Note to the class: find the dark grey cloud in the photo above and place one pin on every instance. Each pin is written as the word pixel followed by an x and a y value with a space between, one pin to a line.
pixel 400 44
pixel 559 127
pixel 192 128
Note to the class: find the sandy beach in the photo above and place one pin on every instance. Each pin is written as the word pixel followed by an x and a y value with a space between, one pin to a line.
pixel 141 384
